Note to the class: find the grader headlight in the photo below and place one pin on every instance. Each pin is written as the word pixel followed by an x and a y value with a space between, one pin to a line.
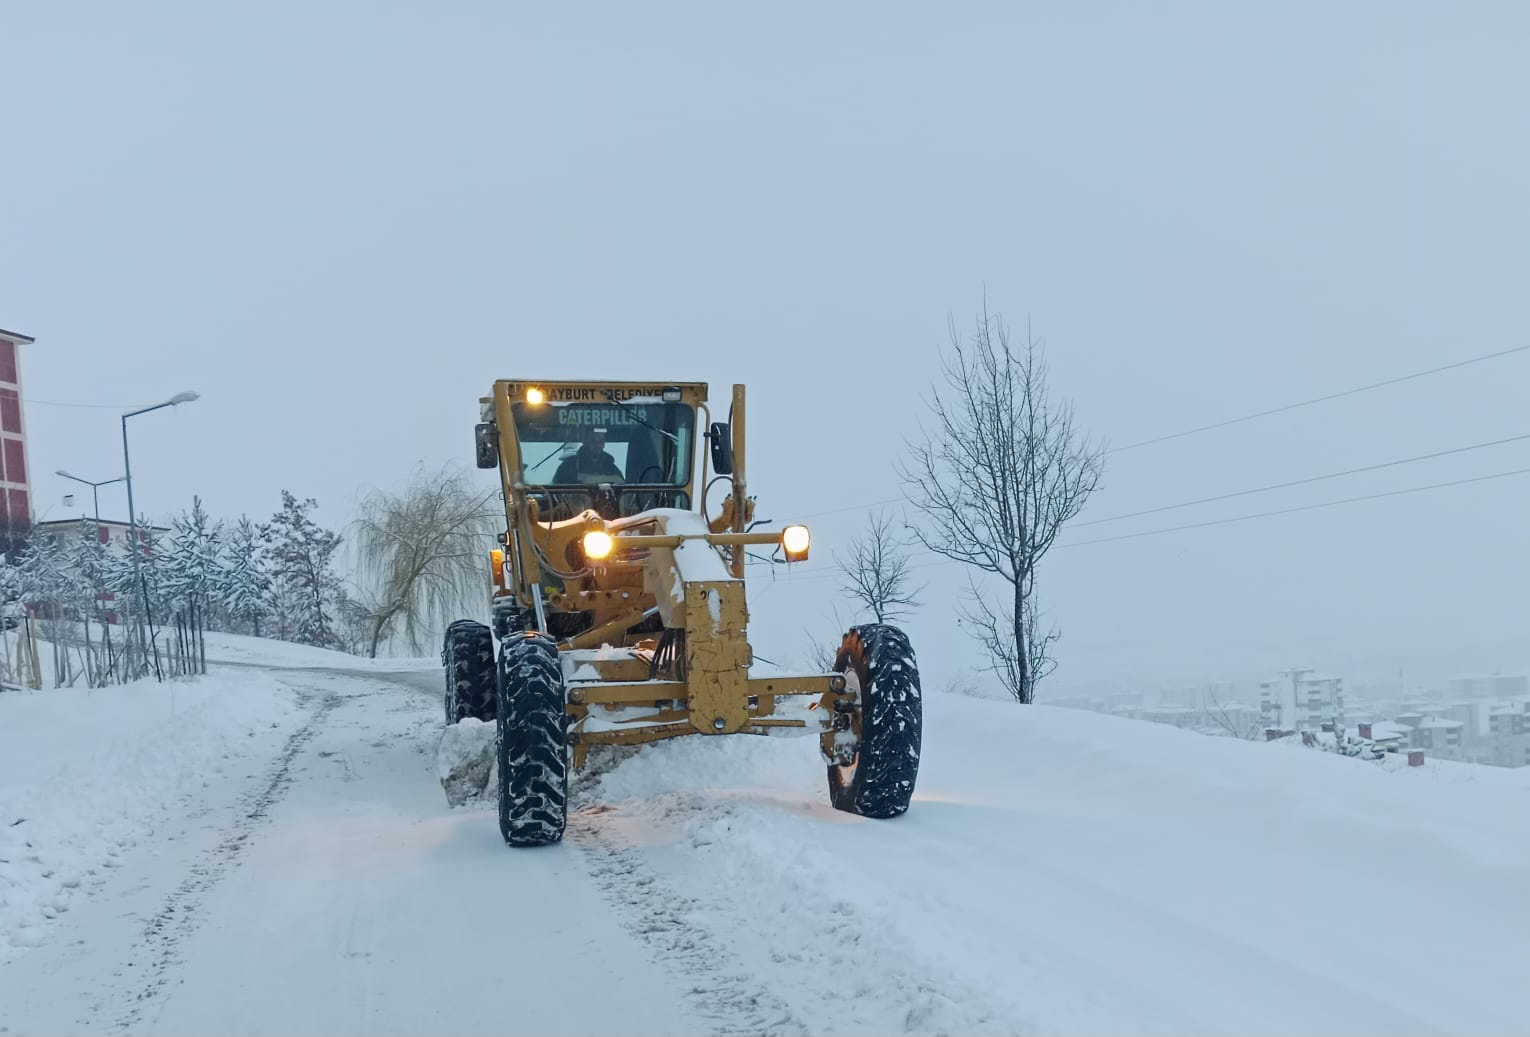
pixel 795 541
pixel 535 396
pixel 598 544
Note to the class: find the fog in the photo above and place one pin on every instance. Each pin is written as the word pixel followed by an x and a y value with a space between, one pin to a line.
pixel 340 223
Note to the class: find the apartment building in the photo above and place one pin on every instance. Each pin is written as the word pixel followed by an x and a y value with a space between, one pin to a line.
pixel 1300 699
pixel 1508 735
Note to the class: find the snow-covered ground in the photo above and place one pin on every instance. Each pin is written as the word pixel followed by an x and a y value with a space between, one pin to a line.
pixel 270 851
pixel 260 651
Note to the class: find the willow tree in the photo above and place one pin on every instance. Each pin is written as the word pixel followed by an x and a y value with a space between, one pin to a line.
pixel 422 555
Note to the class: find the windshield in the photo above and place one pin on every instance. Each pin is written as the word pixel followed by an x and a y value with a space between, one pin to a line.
pixel 586 444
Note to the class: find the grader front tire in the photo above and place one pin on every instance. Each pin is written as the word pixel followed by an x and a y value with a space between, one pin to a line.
pixel 880 669
pixel 468 655
pixel 531 740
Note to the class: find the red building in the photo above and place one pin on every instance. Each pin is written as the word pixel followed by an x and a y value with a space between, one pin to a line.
pixel 15 474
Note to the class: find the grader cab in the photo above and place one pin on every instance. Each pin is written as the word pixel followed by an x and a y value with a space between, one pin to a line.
pixel 618 606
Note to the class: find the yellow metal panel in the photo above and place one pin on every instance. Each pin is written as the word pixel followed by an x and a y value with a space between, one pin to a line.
pixel 716 621
pixel 612 693
pixel 634 735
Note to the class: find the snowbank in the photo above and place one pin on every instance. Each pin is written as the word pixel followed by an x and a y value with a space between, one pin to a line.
pixel 262 651
pixel 466 764
pixel 1064 871
pixel 84 775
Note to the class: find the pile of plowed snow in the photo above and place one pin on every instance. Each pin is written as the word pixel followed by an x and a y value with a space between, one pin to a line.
pixel 1067 871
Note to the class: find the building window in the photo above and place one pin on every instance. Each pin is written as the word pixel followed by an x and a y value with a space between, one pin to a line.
pixel 8 362
pixel 18 510
pixel 15 465
pixel 10 411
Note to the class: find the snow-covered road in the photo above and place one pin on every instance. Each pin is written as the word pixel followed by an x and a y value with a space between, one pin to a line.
pixel 285 862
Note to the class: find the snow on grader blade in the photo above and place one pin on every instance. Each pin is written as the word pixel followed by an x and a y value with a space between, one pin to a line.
pixel 618 613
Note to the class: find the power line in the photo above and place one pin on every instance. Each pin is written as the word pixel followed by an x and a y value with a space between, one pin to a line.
pixel 1303 482
pixel 1318 399
pixel 826 573
pixel 852 507
pixel 1303 507
pixel 1230 421
pixel 92 406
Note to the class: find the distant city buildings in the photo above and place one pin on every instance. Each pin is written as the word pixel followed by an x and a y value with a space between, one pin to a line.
pixel 1494 686
pixel 1471 719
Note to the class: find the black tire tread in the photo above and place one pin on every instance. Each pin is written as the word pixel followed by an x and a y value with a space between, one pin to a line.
pixel 892 719
pixel 531 740
pixel 468 655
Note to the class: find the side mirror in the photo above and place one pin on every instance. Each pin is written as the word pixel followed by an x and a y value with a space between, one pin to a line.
pixel 487 442
pixel 722 448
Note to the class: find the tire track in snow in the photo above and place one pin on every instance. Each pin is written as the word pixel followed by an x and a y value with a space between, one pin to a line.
pixel 842 967
pixel 722 988
pixel 180 915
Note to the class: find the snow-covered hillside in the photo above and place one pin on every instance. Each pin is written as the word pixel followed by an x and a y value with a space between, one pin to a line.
pixel 271 852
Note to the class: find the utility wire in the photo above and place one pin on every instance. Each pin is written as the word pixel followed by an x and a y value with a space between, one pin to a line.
pixel 91 406
pixel 1230 421
pixel 826 572
pixel 1303 507
pixel 1303 482
pixel 1318 399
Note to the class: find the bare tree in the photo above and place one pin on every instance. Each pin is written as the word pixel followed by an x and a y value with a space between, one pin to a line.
pixel 821 650
pixel 422 553
pixel 876 571
pixel 1005 469
pixel 1238 724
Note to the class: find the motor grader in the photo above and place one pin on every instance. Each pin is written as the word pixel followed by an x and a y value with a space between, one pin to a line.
pixel 618 605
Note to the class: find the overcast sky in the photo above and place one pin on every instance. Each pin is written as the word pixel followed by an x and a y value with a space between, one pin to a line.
pixel 340 222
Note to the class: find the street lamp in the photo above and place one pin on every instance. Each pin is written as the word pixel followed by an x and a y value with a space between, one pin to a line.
pixel 94 492
pixel 127 470
pixel 95 497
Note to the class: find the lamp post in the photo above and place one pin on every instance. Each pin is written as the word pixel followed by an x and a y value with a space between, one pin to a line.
pixel 127 475
pixel 95 494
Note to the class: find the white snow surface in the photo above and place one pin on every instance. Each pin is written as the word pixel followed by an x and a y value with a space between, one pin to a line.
pixel 88 776
pixel 277 856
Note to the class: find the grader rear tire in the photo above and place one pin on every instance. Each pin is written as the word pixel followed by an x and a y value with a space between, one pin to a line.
pixel 879 666
pixel 468 655
pixel 531 740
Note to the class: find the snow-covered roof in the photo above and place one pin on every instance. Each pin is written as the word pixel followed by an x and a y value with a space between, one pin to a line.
pixel 1435 723
pixel 16 336
pixel 74 523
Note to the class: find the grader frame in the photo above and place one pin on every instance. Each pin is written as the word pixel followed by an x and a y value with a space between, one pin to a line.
pixel 619 605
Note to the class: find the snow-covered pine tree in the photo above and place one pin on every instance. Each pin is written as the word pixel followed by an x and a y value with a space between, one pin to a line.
pixel 14 666
pixel 189 572
pixel 301 553
pixel 121 581
pixel 87 555
pixel 243 589
pixel 52 591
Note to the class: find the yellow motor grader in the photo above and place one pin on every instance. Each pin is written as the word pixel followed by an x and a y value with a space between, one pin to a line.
pixel 618 606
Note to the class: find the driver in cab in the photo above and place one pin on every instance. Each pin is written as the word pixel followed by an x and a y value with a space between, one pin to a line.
pixel 591 464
